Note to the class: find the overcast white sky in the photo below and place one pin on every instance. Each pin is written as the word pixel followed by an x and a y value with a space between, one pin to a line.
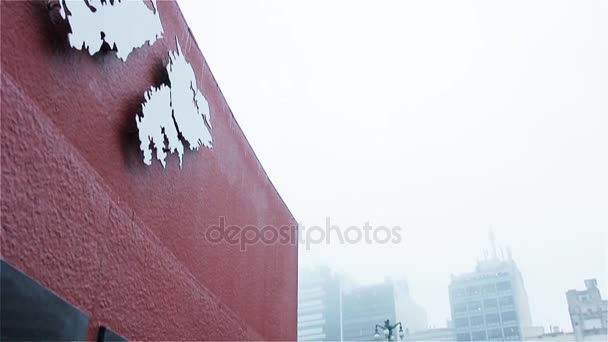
pixel 443 117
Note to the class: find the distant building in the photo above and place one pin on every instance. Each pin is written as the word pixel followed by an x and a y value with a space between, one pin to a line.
pixel 407 311
pixel 535 331
pixel 554 334
pixel 438 334
pixel 588 312
pixel 490 304
pixel 318 305
pixel 558 336
pixel 365 307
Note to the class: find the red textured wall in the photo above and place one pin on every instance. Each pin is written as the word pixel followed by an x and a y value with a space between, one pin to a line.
pixel 122 241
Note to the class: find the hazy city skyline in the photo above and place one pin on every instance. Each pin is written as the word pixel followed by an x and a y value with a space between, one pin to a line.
pixel 443 118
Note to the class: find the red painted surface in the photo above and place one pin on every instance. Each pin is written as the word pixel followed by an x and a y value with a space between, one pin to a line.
pixel 124 242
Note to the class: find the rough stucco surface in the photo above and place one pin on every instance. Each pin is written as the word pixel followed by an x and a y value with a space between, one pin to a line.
pixel 124 242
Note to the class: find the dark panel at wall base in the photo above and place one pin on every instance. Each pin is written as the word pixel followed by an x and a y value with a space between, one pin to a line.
pixel 107 335
pixel 30 312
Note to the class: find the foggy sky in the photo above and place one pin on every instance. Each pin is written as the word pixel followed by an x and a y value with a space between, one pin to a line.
pixel 444 118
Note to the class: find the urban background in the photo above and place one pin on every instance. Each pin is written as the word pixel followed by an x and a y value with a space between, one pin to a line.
pixel 489 303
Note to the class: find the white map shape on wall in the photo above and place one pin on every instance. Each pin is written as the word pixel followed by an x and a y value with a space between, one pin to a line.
pixel 128 24
pixel 170 111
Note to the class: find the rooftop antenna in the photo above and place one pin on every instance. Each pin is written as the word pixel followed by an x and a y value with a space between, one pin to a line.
pixel 493 243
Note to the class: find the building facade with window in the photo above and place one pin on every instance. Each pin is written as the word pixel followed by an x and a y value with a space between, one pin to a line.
pixel 489 304
pixel 318 305
pixel 365 307
pixel 588 312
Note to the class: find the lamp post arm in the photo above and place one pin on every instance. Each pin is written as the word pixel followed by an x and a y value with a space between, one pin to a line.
pixel 396 324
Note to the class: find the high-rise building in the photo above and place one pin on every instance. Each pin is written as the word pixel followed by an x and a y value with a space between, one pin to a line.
pixel 411 314
pixel 318 305
pixel 588 312
pixel 490 304
pixel 365 307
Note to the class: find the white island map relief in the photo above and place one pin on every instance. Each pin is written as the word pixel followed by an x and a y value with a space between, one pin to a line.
pixel 171 115
pixel 168 111
pixel 126 24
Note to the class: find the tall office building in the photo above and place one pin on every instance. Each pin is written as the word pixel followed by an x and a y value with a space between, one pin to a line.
pixel 318 305
pixel 588 312
pixel 490 304
pixel 332 309
pixel 411 314
pixel 365 307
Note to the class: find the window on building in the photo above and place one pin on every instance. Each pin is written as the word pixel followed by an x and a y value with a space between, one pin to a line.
pixel 592 324
pixel 495 333
pixel 475 306
pixel 490 288
pixel 463 337
pixel 473 291
pixel 460 307
pixel 490 303
pixel 478 336
pixel 509 316
pixel 310 317
pixel 458 293
pixel 476 321
pixel 511 332
pixel 310 331
pixel 492 319
pixel 508 300
pixel 503 286
pixel 461 322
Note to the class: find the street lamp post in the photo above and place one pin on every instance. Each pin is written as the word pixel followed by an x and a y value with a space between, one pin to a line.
pixel 388 330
